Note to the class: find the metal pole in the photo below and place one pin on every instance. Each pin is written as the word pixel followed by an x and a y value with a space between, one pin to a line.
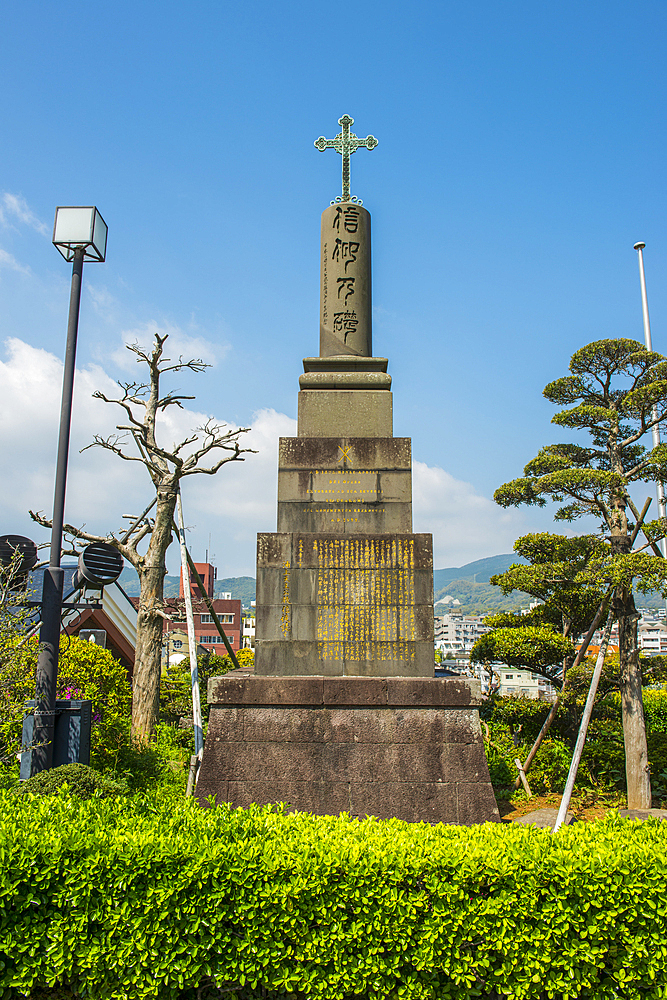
pixel 209 604
pixel 192 643
pixel 583 728
pixel 655 430
pixel 52 591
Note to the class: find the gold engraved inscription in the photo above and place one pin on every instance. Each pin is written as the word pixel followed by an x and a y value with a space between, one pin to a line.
pixel 356 486
pixel 286 616
pixel 365 598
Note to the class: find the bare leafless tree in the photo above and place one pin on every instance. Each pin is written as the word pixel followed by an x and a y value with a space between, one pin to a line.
pixel 143 404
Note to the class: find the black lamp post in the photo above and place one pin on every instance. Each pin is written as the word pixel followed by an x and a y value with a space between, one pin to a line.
pixel 79 233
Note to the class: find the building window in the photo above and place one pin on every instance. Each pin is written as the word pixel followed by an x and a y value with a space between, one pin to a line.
pixel 206 619
pixel 509 677
pixel 210 639
pixel 227 619
pixel 177 644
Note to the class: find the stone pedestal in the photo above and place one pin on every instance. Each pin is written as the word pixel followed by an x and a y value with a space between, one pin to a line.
pixel 409 748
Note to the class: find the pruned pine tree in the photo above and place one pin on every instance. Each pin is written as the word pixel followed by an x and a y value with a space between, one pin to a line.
pixel 615 392
pixel 561 573
pixel 167 466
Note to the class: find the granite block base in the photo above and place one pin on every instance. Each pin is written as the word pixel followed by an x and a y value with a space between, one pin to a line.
pixel 402 747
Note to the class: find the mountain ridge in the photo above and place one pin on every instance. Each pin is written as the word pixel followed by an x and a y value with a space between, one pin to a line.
pixel 469 584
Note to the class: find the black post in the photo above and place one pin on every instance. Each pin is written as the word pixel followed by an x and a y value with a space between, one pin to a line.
pixel 52 593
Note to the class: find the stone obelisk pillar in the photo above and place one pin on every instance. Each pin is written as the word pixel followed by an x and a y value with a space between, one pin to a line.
pixel 345 282
pixel 344 712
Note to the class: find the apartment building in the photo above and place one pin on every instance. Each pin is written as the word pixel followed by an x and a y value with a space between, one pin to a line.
pixel 456 633
pixel 651 635
pixel 206 634
pixel 523 684
pixel 248 632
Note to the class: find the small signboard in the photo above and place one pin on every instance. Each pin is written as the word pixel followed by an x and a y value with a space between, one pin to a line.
pixel 96 635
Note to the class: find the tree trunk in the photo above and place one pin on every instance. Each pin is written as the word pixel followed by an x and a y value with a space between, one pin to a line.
pixel 632 706
pixel 150 621
pixel 147 657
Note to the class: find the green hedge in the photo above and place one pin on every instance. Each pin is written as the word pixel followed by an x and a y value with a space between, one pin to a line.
pixel 135 899
pixel 515 722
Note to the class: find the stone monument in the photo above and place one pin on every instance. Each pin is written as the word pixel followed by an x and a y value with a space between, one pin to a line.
pixel 343 711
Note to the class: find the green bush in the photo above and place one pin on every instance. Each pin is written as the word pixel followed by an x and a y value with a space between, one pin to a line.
pixel 176 683
pixel 85 670
pixel 160 763
pixel 515 722
pixel 550 767
pixel 82 781
pixel 131 899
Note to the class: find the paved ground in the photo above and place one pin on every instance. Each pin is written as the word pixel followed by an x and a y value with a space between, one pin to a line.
pixel 588 808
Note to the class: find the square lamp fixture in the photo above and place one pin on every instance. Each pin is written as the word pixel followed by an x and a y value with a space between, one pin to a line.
pixel 77 227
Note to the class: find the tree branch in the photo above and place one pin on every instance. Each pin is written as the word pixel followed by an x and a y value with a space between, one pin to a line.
pixel 127 551
pixel 656 550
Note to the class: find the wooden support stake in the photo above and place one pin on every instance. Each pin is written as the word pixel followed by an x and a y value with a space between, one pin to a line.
pixel 209 605
pixel 524 779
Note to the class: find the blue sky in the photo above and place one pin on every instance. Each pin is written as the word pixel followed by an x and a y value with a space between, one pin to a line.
pixel 521 154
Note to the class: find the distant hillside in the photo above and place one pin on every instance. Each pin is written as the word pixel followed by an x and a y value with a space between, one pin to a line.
pixel 479 571
pixel 469 585
pixel 240 587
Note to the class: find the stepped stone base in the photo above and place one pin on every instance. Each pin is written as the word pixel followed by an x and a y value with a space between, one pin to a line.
pixel 400 747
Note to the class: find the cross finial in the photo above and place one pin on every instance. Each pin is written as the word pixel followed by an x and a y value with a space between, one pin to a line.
pixel 346 143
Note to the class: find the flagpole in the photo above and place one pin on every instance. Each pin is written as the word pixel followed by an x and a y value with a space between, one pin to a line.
pixel 655 430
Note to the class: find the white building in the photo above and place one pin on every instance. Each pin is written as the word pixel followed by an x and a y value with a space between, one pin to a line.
pixel 457 633
pixel 248 632
pixel 523 683
pixel 652 637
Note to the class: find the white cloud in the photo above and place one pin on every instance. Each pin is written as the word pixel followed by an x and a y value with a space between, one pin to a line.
pixel 231 506
pixel 180 344
pixel 10 262
pixel 98 485
pixel 465 525
pixel 13 207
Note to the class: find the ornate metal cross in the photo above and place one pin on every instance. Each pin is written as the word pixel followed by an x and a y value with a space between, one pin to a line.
pixel 346 143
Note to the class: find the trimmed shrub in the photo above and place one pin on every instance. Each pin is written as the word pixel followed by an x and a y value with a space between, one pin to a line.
pixel 85 670
pixel 132 899
pixel 82 781
pixel 515 722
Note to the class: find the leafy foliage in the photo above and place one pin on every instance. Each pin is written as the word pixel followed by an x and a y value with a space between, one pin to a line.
pixel 563 574
pixel 534 647
pixel 176 684
pixel 85 671
pixel 82 782
pixel 616 392
pixel 172 898
pixel 513 724
pixel 615 384
pixel 88 671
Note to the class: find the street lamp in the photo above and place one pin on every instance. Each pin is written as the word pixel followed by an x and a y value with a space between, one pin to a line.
pixel 79 233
